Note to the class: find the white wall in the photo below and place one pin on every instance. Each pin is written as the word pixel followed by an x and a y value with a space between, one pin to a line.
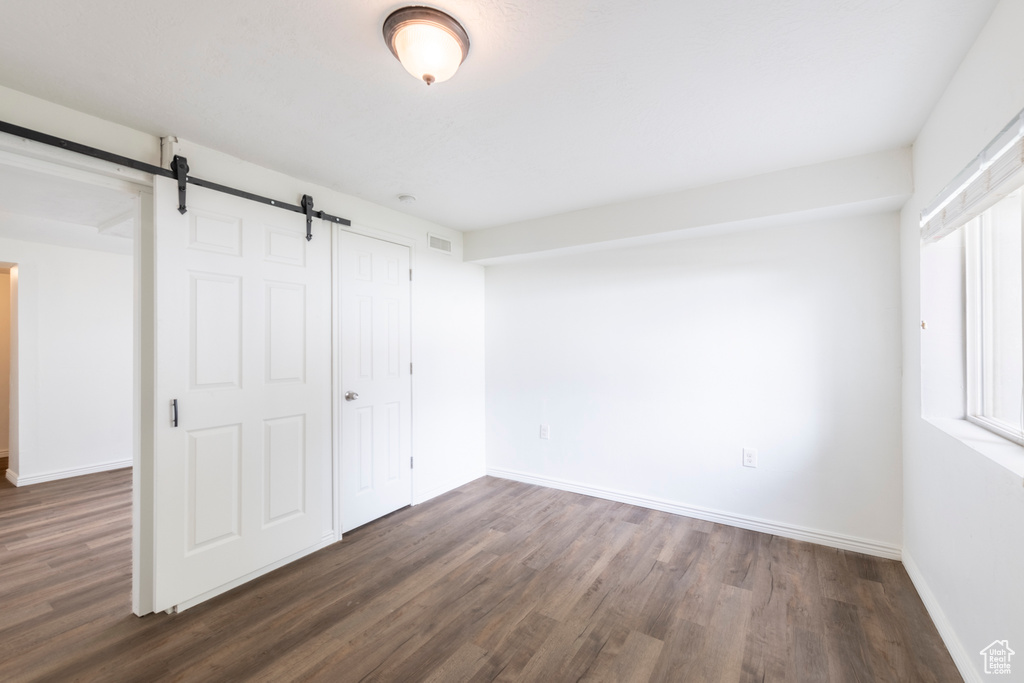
pixel 448 377
pixel 74 361
pixel 964 512
pixel 655 366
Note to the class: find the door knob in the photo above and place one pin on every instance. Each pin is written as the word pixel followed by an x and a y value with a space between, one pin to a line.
pixel 351 395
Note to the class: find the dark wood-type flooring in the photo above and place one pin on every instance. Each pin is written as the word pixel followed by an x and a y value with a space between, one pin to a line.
pixel 494 581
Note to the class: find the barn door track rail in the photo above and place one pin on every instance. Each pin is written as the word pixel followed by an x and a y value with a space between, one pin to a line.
pixel 179 171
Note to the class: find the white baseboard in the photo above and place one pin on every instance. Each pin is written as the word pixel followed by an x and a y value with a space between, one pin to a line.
pixel 19 480
pixel 961 657
pixel 833 540
pixel 422 497
pixel 327 540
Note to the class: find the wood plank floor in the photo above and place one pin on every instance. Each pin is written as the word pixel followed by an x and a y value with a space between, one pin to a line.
pixel 494 581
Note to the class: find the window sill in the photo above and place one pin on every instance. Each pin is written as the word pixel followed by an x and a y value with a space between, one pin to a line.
pixel 1001 451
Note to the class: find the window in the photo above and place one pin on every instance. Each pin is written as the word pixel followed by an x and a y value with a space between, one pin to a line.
pixel 995 318
pixel 984 203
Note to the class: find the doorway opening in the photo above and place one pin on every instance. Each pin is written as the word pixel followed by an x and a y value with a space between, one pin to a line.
pixel 69 316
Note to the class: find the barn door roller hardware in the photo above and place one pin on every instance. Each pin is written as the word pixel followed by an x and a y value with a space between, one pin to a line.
pixel 180 167
pixel 179 171
pixel 307 206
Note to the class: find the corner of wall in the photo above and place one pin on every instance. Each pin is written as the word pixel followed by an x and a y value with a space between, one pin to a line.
pixel 963 513
pixel 961 657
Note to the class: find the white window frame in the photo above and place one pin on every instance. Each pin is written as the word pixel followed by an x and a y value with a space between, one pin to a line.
pixel 978 288
pixel 992 175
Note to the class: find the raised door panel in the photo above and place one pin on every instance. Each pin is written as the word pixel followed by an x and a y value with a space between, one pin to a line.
pixel 363 337
pixel 215 339
pixel 285 332
pixel 363 426
pixel 221 234
pixel 392 268
pixel 284 443
pixel 393 439
pixel 364 265
pixel 392 341
pixel 285 246
pixel 214 479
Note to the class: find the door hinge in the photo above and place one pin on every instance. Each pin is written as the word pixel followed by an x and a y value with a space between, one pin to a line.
pixel 410 462
pixel 410 275
pixel 410 368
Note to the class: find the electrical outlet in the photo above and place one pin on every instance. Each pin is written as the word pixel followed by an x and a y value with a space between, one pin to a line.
pixel 750 457
pixel 545 431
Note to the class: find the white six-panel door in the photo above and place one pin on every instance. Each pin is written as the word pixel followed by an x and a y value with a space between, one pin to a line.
pixel 243 330
pixel 375 391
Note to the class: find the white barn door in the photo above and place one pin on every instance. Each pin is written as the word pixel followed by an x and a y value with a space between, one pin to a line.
pixel 376 389
pixel 243 336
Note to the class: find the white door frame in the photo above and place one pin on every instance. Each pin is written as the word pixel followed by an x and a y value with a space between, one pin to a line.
pixel 384 236
pixel 36 156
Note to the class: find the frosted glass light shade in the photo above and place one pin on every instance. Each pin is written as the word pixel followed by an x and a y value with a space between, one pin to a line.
pixel 430 44
pixel 428 52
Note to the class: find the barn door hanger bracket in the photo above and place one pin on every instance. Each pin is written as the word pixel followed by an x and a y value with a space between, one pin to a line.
pixel 179 165
pixel 307 208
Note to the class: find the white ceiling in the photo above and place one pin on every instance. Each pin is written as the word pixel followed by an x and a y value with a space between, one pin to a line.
pixel 560 105
pixel 42 207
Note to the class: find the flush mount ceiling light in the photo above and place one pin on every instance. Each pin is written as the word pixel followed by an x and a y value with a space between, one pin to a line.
pixel 430 44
